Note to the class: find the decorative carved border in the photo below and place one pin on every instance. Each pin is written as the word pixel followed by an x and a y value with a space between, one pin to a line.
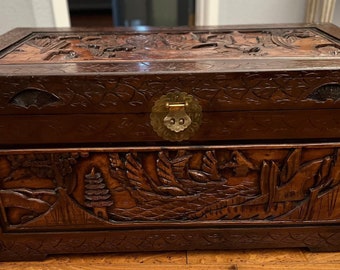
pixel 36 246
pixel 138 93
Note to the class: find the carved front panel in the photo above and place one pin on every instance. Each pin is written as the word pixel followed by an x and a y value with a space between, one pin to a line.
pixel 103 189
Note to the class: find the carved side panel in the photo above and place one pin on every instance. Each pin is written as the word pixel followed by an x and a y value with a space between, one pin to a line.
pixel 118 188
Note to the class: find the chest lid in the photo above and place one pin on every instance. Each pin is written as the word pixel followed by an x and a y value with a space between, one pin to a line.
pixel 140 50
pixel 250 77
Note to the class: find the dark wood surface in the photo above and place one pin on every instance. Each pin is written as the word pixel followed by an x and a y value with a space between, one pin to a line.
pixel 294 47
pixel 83 170
pixel 244 106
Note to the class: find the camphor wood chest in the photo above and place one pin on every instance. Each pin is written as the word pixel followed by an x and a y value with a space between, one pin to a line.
pixel 169 139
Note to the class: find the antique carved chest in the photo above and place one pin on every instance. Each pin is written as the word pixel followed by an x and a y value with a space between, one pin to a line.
pixel 169 139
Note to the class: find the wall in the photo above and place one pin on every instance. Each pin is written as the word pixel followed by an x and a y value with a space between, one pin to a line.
pixel 261 11
pixel 228 12
pixel 33 13
pixel 164 12
pixel 336 19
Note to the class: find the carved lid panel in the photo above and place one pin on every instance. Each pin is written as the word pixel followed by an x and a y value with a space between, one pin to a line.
pixel 111 46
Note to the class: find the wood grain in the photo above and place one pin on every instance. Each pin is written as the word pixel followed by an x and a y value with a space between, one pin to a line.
pixel 230 260
pixel 83 171
pixel 279 256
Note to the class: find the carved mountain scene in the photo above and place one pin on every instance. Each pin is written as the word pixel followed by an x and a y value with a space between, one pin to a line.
pixel 282 184
pixel 102 188
pixel 28 186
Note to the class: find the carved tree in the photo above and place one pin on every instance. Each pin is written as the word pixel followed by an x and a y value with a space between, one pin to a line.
pixel 97 195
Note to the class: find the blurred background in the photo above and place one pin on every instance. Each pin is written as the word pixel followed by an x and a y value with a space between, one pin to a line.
pixel 132 12
pixel 106 13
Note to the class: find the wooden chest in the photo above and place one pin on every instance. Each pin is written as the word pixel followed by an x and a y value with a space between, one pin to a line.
pixel 169 139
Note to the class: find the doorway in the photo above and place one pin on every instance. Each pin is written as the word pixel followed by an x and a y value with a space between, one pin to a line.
pixel 106 13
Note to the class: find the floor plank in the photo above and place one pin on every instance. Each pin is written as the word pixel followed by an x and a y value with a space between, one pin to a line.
pixel 308 266
pixel 247 257
pixel 281 259
pixel 322 257
pixel 97 266
pixel 102 261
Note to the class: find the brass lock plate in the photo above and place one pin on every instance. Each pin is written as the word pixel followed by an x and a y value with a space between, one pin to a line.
pixel 177 119
pixel 176 116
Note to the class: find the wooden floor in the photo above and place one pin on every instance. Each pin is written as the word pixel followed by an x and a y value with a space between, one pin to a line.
pixel 296 259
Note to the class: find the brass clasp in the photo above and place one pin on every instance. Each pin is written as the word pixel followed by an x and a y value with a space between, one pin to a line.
pixel 176 116
pixel 177 119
